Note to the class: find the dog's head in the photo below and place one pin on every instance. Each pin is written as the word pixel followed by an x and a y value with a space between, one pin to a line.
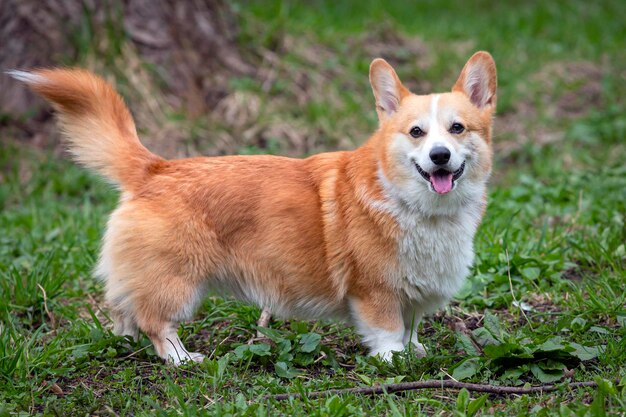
pixel 438 143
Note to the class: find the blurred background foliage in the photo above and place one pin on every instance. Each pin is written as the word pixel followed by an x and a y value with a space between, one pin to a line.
pixel 277 76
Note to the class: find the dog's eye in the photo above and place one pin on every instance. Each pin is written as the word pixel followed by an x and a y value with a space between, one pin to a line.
pixel 457 128
pixel 416 132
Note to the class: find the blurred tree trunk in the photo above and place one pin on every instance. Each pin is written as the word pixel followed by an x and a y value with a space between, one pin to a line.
pixel 189 42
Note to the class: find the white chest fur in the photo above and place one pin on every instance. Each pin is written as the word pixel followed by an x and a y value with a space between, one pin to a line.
pixel 435 254
pixel 435 246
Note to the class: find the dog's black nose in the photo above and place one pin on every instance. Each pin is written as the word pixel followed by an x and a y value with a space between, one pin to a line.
pixel 439 155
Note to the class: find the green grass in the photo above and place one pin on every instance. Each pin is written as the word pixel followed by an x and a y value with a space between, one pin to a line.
pixel 552 243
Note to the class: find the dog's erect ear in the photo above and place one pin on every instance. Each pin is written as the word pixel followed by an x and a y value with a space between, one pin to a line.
pixel 387 87
pixel 478 81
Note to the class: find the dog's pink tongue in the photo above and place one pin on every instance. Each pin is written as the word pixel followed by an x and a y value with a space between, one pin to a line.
pixel 442 183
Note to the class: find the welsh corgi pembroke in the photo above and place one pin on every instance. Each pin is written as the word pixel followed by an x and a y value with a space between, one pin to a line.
pixel 378 236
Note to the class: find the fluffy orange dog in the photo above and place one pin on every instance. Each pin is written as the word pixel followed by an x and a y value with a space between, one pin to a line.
pixel 378 236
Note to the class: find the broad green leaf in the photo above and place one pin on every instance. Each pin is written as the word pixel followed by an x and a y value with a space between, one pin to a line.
pixel 462 400
pixel 513 374
pixel 492 324
pixel 466 369
pixel 598 405
pixel 531 273
pixel 284 346
pixel 508 350
pixel 483 337
pixel 272 334
pixel 246 351
pixel 241 351
pixel 598 329
pixel 551 365
pixel 310 342
pixel 578 323
pixel 550 345
pixel 605 386
pixel 475 405
pixel 261 349
pixel 283 370
pixel 545 375
pixel 222 363
pixel 564 411
pixel 240 400
pixel 394 379
pixel 466 344
pixel 299 327
pixel 585 353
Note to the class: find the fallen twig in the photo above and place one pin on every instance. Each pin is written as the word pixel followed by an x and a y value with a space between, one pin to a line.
pixel 433 384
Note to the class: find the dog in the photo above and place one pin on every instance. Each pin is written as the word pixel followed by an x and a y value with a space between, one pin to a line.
pixel 379 236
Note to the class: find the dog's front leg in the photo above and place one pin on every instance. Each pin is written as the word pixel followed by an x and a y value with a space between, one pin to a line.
pixel 264 321
pixel 378 318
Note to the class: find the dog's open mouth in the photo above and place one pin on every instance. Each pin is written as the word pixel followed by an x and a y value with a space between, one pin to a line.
pixel 442 180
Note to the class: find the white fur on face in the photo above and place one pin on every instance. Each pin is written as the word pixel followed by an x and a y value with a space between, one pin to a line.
pixel 437 135
pixel 414 190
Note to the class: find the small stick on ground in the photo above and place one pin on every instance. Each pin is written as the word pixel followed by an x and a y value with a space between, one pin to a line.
pixel 434 384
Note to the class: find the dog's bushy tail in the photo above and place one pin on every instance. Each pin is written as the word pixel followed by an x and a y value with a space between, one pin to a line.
pixel 99 128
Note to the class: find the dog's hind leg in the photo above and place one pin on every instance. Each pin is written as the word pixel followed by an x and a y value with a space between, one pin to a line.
pixel 264 321
pixel 124 324
pixel 160 308
pixel 154 279
pixel 168 345
pixel 118 301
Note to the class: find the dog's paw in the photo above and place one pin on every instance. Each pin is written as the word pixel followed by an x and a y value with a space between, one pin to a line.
pixel 196 357
pixel 187 357
pixel 419 349
pixel 386 353
pixel 385 356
